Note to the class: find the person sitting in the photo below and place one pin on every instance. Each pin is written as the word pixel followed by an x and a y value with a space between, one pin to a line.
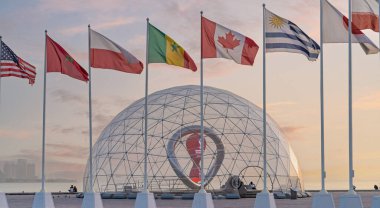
pixel 75 189
pixel 376 187
pixel 71 190
pixel 252 185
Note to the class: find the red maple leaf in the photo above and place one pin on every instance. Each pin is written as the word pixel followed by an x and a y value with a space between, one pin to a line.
pixel 229 41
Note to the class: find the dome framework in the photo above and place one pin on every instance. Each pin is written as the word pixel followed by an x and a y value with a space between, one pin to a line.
pixel 233 145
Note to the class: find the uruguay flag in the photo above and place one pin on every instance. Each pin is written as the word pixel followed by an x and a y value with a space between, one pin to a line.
pixel 283 35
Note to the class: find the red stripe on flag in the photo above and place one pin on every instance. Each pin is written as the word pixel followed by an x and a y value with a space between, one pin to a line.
pixel 355 29
pixel 366 20
pixel 31 81
pixel 7 68
pixel 208 43
pixel 106 59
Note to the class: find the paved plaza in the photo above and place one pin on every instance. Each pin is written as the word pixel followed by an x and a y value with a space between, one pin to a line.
pixel 25 201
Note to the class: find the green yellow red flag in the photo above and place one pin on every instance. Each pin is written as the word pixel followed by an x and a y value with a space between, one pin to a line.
pixel 163 49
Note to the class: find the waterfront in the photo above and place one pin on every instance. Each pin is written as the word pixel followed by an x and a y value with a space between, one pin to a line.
pixel 25 201
pixel 35 187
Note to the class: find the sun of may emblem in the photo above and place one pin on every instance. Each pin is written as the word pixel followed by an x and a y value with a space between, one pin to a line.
pixel 276 21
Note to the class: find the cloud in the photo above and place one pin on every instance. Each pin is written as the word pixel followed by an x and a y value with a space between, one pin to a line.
pixel 369 102
pixel 105 25
pixel 15 134
pixel 69 6
pixel 64 96
pixel 281 104
pixel 292 129
pixel 61 130
pixel 64 151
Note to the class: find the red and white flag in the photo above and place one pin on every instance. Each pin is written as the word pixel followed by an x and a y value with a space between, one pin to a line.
pixel 108 55
pixel 335 30
pixel 13 66
pixel 221 42
pixel 365 14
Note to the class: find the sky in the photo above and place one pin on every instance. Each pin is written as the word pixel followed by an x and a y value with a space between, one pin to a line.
pixel 292 80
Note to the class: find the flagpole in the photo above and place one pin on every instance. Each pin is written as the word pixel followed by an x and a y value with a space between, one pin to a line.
pixel 323 171
pixel 264 105
pixel 146 110
pixel 351 170
pixel 44 124
pixel 91 198
pixel 202 117
pixel 90 108
pixel 145 199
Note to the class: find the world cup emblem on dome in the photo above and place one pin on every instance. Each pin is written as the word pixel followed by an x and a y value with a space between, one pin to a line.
pixel 233 148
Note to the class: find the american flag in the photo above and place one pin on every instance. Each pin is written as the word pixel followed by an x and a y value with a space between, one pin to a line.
pixel 13 66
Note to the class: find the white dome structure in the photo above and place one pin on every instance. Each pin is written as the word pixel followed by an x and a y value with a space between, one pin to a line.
pixel 233 145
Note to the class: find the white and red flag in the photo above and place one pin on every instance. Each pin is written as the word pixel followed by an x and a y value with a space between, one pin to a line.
pixel 108 55
pixel 221 42
pixel 335 30
pixel 365 14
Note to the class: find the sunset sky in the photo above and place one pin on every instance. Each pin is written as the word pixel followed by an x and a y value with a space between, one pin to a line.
pixel 292 80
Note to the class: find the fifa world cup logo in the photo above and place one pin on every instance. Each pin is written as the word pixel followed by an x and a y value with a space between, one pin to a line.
pixel 193 146
pixel 191 136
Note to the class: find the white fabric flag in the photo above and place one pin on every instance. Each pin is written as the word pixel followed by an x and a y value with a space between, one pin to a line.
pixel 335 30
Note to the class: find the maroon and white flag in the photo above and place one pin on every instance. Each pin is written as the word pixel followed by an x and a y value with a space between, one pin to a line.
pixel 335 30
pixel 365 14
pixel 108 55
pixel 221 42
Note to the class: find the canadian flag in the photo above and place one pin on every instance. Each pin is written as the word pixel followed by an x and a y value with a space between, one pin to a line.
pixel 365 14
pixel 221 42
pixel 335 30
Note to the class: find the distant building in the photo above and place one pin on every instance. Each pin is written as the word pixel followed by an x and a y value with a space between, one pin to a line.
pixel 21 170
pixel 9 170
pixel 31 171
pixel 21 167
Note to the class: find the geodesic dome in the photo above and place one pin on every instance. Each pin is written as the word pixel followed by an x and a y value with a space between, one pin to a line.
pixel 233 145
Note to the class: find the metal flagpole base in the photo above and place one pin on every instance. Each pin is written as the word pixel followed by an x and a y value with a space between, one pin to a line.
pixel 43 200
pixel 92 200
pixel 323 199
pixel 351 200
pixel 3 200
pixel 265 199
pixel 145 199
pixel 202 199
pixel 375 202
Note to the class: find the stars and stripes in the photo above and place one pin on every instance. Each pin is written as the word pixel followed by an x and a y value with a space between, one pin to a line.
pixel 284 36
pixel 13 66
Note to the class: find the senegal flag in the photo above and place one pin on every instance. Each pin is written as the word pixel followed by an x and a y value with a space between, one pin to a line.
pixel 163 49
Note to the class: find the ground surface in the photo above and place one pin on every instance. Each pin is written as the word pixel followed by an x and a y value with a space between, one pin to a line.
pixel 18 201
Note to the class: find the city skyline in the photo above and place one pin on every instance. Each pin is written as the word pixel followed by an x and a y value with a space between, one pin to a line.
pixel 293 90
